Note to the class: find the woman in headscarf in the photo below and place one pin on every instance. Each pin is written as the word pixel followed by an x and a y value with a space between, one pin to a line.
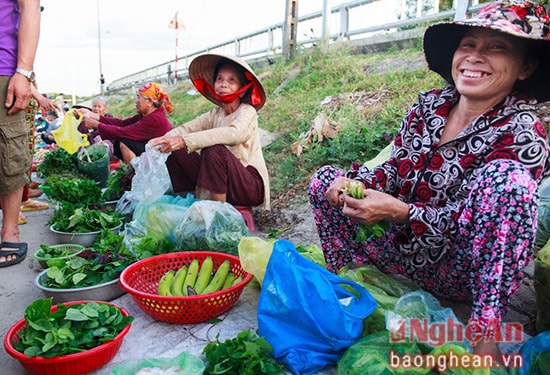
pixel 218 155
pixel 129 136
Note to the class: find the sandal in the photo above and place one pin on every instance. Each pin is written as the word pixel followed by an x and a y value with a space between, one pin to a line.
pixel 18 249
pixel 33 205
pixel 22 219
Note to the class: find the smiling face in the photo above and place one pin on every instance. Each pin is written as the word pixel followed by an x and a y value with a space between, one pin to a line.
pixel 487 64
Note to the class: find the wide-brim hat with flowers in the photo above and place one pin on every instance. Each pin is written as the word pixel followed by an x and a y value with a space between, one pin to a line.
pixel 522 19
pixel 202 70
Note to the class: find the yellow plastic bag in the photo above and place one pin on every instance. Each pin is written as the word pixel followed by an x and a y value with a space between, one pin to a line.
pixel 254 254
pixel 67 136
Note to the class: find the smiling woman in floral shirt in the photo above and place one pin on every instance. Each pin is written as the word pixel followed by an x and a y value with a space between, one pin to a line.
pixel 460 189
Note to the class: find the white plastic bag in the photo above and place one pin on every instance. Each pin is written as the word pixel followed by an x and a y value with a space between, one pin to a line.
pixel 150 182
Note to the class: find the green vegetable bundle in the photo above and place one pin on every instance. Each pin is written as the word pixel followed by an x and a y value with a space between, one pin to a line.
pixel 246 354
pixel 71 218
pixel 58 163
pixel 71 329
pixel 104 263
pixel 77 191
pixel 355 190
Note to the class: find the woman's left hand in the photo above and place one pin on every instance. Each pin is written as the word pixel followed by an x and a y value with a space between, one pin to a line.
pixel 376 206
pixel 168 143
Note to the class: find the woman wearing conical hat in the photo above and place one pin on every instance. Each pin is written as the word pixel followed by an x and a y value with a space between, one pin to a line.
pixel 218 155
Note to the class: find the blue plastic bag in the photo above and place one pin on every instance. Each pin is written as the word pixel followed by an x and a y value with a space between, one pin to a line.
pixel 309 315
pixel 530 352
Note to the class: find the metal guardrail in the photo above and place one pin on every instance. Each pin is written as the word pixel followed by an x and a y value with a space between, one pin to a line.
pixel 267 43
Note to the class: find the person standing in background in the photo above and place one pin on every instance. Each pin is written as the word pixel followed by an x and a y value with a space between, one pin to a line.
pixel 102 84
pixel 19 32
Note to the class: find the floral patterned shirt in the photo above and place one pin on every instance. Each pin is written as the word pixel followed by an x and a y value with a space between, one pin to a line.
pixel 435 179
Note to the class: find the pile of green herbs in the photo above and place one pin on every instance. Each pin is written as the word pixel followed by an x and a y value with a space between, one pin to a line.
pixel 51 252
pixel 76 218
pixel 59 163
pixel 76 191
pixel 246 354
pixel 104 262
pixel 119 181
pixel 70 329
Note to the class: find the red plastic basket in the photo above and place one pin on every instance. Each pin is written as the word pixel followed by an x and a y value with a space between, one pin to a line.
pixel 71 364
pixel 141 281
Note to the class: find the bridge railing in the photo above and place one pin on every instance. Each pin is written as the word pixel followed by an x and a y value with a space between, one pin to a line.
pixel 267 43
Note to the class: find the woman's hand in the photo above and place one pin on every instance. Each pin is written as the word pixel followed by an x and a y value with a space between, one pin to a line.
pixel 335 193
pixel 168 143
pixel 375 207
pixel 46 104
pixel 89 119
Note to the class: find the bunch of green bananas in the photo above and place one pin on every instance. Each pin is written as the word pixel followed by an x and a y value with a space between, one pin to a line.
pixel 355 190
pixel 195 278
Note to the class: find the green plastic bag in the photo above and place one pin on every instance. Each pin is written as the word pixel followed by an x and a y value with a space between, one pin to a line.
pixel 542 287
pixel 184 364
pixel 94 162
pixel 376 354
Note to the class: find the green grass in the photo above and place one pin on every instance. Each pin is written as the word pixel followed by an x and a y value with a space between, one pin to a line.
pixel 370 95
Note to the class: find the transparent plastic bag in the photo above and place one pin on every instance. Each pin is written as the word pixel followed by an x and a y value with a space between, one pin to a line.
pixel 152 179
pixel 183 364
pixel 211 225
pixel 150 182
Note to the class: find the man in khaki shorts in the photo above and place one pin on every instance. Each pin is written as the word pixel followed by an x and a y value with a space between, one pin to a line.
pixel 19 32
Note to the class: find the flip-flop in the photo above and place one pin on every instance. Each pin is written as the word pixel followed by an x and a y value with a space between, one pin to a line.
pixel 34 205
pixel 22 219
pixel 15 248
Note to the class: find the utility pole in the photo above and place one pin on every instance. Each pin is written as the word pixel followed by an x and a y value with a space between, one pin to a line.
pixel 290 29
pixel 326 24
pixel 99 40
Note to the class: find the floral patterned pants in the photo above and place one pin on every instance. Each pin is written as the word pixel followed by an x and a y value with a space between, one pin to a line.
pixel 497 231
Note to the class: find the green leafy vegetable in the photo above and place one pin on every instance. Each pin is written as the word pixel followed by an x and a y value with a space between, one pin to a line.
pixel 77 219
pixel 275 233
pixel 246 354
pixel 71 329
pixel 58 163
pixel 118 182
pixel 153 243
pixel 77 191
pixel 104 263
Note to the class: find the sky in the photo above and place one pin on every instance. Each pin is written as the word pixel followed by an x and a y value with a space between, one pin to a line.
pixel 134 35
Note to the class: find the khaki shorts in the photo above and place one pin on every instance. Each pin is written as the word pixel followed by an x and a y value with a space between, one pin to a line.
pixel 15 157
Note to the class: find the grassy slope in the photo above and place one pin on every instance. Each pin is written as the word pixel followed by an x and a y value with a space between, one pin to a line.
pixel 370 94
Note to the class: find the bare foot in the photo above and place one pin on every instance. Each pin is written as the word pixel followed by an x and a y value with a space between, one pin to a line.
pixel 489 348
